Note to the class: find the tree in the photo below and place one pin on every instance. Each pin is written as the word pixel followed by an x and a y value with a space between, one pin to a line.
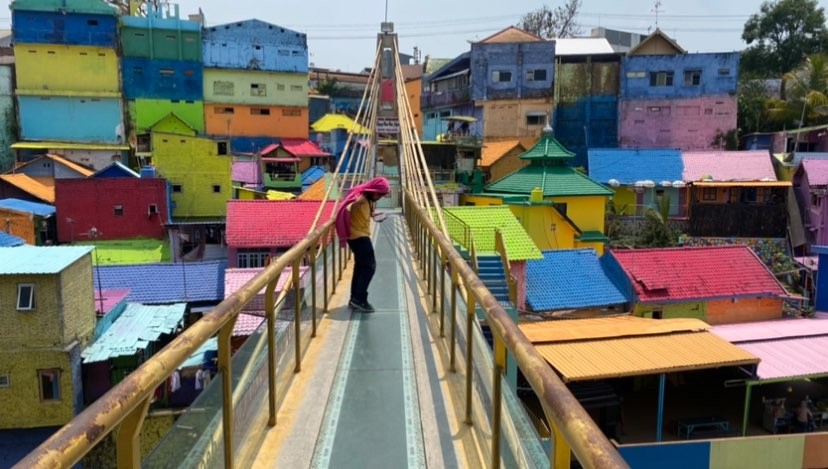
pixel 752 101
pixel 805 95
pixel 657 230
pixel 330 87
pixel 548 23
pixel 781 35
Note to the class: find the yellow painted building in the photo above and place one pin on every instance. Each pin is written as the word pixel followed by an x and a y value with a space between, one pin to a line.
pixel 47 296
pixel 59 70
pixel 559 207
pixel 507 118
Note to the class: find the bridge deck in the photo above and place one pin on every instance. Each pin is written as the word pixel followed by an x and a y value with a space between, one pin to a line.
pixel 377 396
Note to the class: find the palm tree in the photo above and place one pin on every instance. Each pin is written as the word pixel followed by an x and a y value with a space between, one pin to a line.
pixel 806 94
pixel 657 231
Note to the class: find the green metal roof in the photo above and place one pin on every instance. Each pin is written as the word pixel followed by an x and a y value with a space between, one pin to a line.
pixel 137 326
pixel 483 221
pixel 554 180
pixel 75 6
pixel 592 237
pixel 547 149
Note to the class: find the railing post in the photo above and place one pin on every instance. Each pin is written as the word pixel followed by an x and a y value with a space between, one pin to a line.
pixel 443 266
pixel 435 254
pixel 225 367
pixel 128 441
pixel 455 276
pixel 325 275
pixel 334 247
pixel 562 454
pixel 497 396
pixel 313 288
pixel 270 316
pixel 469 353
pixel 297 314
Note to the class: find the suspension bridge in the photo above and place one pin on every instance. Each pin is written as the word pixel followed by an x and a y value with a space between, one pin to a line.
pixel 414 384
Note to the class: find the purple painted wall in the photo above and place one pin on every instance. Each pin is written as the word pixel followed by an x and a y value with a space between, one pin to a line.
pixel 813 215
pixel 687 124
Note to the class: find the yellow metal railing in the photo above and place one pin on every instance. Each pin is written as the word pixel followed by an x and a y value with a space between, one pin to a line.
pixel 573 429
pixel 511 282
pixel 125 406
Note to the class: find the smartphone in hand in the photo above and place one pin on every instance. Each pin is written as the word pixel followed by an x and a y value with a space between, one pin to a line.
pixel 379 217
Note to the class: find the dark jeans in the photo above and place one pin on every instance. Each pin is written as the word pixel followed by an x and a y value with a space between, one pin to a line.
pixel 365 264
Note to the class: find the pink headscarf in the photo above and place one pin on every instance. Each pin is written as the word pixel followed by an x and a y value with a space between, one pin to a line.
pixel 343 216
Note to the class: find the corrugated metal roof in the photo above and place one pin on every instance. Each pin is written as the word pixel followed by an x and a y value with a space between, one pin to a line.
pixel 554 180
pixel 39 259
pixel 769 330
pixel 646 355
pixel 751 165
pixel 41 210
pixel 234 279
pixel 135 329
pixel 301 147
pixel 582 46
pixel 817 171
pixel 330 122
pixel 31 186
pixel 313 174
pixel 197 358
pixel 10 241
pixel 111 298
pixel 606 328
pixel 71 164
pixel 547 148
pixel 316 191
pixel 567 279
pixel 790 357
pixel 484 220
pixel 166 283
pixel 66 146
pixel 627 166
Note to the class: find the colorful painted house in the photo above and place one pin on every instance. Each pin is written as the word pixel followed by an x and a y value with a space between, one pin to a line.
pixel 480 224
pixel 47 295
pixel 573 283
pixel 308 152
pixel 138 333
pixel 331 134
pixel 255 80
pixel 33 222
pixel 260 229
pixel 446 92
pixel 640 178
pixel 558 206
pixel 586 95
pixel 197 169
pixel 512 72
pixel 91 155
pixel 672 99
pixel 78 40
pixel 498 159
pixel 811 187
pixel 718 284
pixel 247 174
pixel 735 194
pixel 48 168
pixel 162 69
pixel 21 186
pixel 117 207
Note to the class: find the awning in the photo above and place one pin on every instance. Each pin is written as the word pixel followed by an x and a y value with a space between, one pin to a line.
pixel 460 119
pixel 67 146
pixel 588 349
pixel 740 183
pixel 281 160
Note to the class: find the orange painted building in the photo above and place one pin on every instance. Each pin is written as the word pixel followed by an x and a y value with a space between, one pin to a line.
pixel 243 120
pixel 18 224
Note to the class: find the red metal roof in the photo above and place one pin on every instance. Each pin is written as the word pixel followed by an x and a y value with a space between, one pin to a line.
pixel 681 274
pixel 270 148
pixel 302 147
pixel 270 223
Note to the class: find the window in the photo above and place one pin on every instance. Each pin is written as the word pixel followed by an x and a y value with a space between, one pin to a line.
pixel 167 71
pixel 49 384
pixel 639 74
pixel 708 111
pixel 536 75
pixel 692 77
pixel 296 53
pixel 661 78
pixel 723 72
pixel 291 112
pixel 119 210
pixel 137 70
pixel 709 194
pixel 5 381
pixel 223 88
pixel 259 111
pixel 224 110
pixel 257 47
pixel 658 314
pixel 176 188
pixel 284 52
pixel 258 89
pixel 501 76
pixel 535 119
pixel 295 87
pixel 152 208
pixel 221 148
pixel 654 109
pixel 251 258
pixel 280 87
pixel 92 22
pixel 216 189
pixel 25 297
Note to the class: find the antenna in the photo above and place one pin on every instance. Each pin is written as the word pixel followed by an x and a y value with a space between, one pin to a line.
pixel 657 9
pixel 386 11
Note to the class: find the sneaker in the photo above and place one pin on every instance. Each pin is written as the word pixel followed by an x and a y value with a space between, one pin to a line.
pixel 363 306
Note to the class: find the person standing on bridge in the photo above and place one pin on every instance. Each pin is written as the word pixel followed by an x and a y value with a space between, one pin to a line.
pixel 353 226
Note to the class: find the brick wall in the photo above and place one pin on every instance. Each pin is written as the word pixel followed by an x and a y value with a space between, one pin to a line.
pixel 22 405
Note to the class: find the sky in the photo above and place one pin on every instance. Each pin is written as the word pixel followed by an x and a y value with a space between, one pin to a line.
pixel 342 34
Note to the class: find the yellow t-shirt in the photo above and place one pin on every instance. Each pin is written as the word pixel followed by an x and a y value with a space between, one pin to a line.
pixel 360 219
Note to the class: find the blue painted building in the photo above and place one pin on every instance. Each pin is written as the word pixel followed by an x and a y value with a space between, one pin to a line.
pixel 174 80
pixel 680 76
pixel 447 92
pixel 63 118
pixel 71 24
pixel 255 45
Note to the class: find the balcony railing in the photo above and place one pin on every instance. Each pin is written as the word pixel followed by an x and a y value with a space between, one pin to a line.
pixel 432 99
pixel 738 220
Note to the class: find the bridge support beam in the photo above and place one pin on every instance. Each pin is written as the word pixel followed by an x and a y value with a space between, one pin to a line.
pixel 270 317
pixel 128 441
pixel 225 368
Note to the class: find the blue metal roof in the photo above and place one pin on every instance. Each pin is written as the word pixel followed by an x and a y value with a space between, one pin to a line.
pixel 630 165
pixel 10 241
pixel 165 283
pixel 313 174
pixel 115 170
pixel 134 330
pixel 569 279
pixel 34 260
pixel 41 210
pixel 197 357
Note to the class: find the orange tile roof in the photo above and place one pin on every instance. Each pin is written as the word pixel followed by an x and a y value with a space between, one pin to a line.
pixel 25 183
pixel 493 151
pixel 71 164
pixel 316 191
